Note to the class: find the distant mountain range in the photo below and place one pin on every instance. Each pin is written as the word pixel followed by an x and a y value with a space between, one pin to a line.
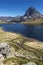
pixel 6 18
pixel 31 13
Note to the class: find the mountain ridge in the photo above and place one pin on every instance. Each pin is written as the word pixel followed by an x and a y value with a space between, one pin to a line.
pixel 31 13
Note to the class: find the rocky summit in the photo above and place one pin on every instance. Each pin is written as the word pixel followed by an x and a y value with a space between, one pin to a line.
pixel 33 13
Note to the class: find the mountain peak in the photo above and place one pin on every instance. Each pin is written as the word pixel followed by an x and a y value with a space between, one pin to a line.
pixel 33 13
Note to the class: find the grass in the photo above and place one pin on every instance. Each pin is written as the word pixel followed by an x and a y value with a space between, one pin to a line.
pixel 22 61
pixel 34 22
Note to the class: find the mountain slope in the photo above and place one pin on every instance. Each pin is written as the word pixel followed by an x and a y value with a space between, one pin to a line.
pixel 33 13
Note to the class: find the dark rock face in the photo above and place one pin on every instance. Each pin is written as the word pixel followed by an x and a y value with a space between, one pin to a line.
pixel 33 13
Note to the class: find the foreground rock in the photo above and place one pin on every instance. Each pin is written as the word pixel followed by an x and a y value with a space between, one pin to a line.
pixel 4 50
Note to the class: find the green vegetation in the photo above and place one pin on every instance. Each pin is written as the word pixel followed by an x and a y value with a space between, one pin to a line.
pixel 16 60
pixel 34 22
pixel 21 61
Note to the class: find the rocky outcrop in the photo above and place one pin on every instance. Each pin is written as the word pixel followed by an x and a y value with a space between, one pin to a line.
pixel 4 50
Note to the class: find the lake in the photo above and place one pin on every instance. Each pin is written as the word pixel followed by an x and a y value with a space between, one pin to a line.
pixel 35 32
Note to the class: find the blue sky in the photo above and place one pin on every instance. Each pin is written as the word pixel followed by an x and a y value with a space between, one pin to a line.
pixel 19 7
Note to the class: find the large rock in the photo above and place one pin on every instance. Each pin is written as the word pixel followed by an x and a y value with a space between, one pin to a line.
pixel 4 49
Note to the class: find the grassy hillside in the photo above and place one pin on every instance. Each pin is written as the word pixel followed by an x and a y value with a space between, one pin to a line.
pixel 23 49
pixel 34 22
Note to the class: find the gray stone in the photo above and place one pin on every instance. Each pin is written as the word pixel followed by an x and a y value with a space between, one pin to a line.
pixel 4 49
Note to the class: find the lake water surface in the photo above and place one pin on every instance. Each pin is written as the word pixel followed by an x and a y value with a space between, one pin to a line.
pixel 35 32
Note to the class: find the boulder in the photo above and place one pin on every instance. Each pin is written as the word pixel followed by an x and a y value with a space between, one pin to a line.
pixel 4 49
